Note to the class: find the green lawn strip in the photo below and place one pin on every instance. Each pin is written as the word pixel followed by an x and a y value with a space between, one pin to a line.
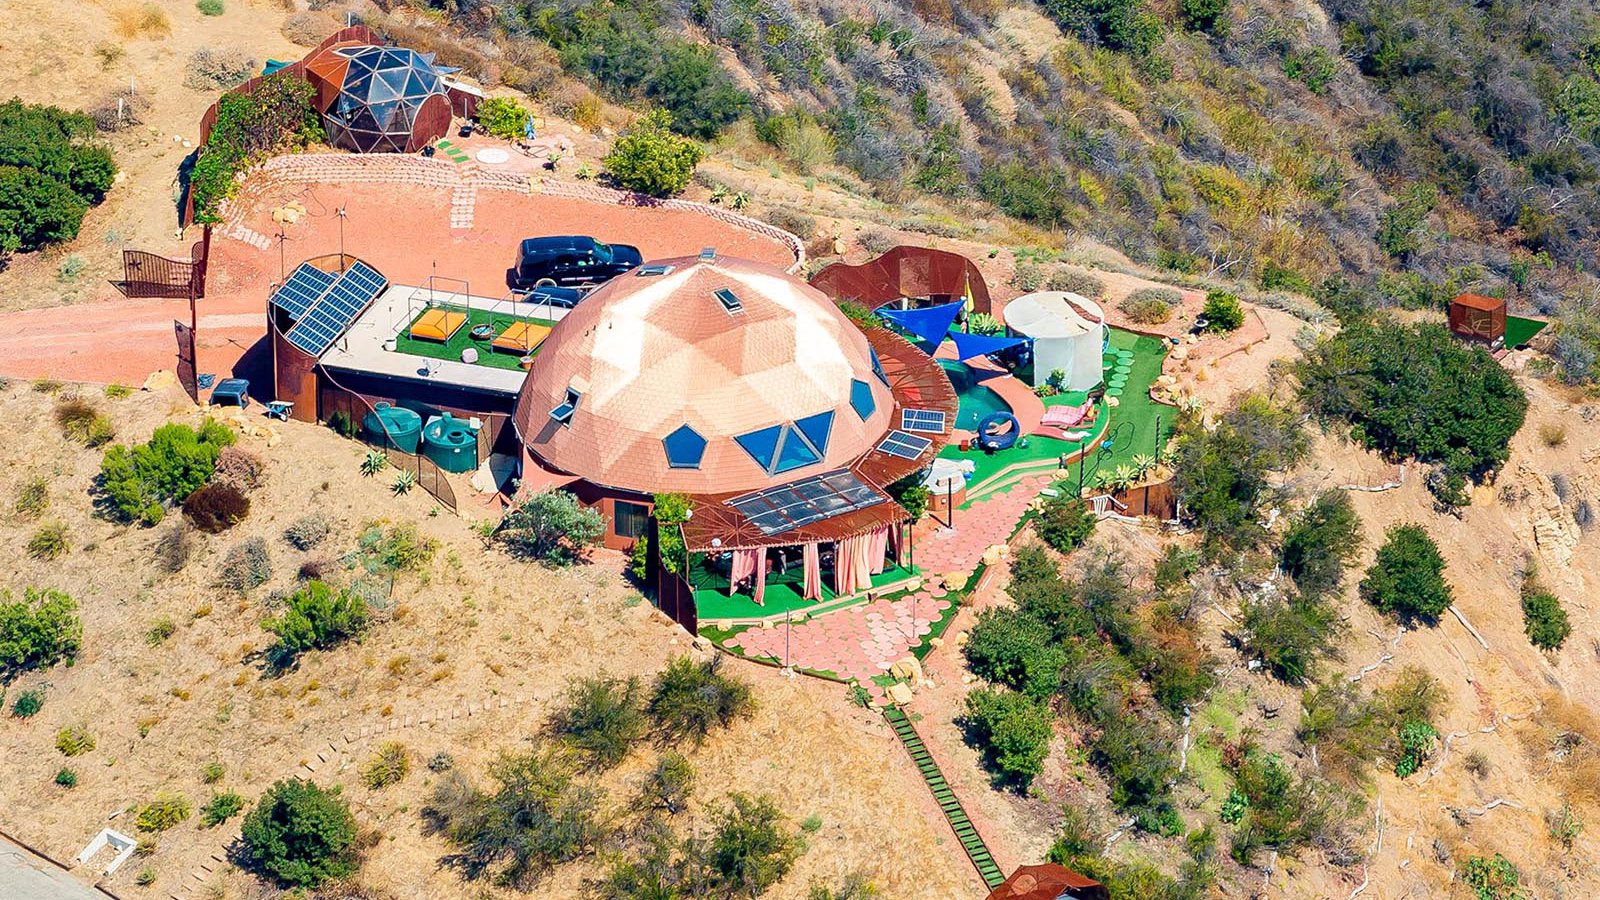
pixel 462 339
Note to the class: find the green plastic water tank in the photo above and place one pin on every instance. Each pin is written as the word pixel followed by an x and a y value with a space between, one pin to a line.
pixel 451 443
pixel 393 427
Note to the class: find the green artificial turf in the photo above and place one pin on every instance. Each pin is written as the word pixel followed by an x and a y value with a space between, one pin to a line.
pixel 1519 331
pixel 462 339
pixel 782 593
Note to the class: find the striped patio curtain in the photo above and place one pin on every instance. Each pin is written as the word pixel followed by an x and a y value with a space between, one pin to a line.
pixel 812 560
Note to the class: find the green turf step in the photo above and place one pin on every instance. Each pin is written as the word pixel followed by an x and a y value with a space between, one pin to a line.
pixel 966 833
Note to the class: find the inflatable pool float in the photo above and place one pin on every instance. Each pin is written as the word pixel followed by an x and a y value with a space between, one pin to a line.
pixel 998 431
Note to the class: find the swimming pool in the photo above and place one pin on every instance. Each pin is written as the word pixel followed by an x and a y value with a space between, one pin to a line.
pixel 977 401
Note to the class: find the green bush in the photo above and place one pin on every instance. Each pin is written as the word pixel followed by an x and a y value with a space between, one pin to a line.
pixel 316 617
pixel 1283 812
pixel 1545 619
pixel 1223 312
pixel 164 812
pixel 1012 730
pixel 669 783
pixel 1492 878
pixel 1221 474
pixel 691 699
pixel 911 494
pixel 1013 648
pixel 1416 742
pixel 1150 306
pixel 389 764
pixel 279 116
pixel 27 703
pixel 1064 522
pixel 651 160
pixel 138 481
pixel 1291 634
pixel 1407 578
pixel 33 499
pixel 74 740
pixel 212 772
pixel 301 835
pixel 536 817
pixel 602 718
pixel 1400 226
pixel 210 7
pixel 159 631
pixel 1321 541
pixel 551 527
pixel 51 171
pixel 1415 391
pixel 248 564
pixel 49 542
pixel 502 117
pixel 220 808
pixel 1126 25
pixel 81 422
pixel 1138 757
pixel 1208 16
pixel 752 847
pixel 66 778
pixel 39 630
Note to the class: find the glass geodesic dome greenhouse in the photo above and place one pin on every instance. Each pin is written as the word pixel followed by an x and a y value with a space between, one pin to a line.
pixel 391 99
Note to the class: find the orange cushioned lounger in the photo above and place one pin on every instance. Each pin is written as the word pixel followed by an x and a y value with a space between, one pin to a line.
pixel 521 337
pixel 438 325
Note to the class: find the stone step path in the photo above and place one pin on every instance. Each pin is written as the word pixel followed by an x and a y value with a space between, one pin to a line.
pixel 956 552
pixel 954 813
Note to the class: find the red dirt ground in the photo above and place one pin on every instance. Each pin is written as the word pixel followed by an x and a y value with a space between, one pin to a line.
pixel 404 232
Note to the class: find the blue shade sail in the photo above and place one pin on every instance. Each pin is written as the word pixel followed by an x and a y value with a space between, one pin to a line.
pixel 970 345
pixel 930 323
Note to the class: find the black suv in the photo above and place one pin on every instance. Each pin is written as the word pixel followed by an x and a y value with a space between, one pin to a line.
pixel 570 261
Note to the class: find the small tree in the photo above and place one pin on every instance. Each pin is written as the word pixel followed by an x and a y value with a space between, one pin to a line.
pixel 41 629
pixel 1010 647
pixel 752 847
pixel 691 699
pixel 301 835
pixel 669 783
pixel 1546 620
pixel 551 527
pixel 138 481
pixel 1013 731
pixel 1320 542
pixel 316 617
pixel 1223 312
pixel 602 718
pixel 1407 578
pixel 651 159
pixel 502 117
pixel 1064 522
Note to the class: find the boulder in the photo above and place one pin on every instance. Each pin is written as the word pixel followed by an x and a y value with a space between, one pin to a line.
pixel 900 693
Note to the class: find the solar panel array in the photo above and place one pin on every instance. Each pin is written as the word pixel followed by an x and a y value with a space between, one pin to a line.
pixel 337 309
pixel 799 503
pixel 304 286
pixel 928 421
pixel 903 445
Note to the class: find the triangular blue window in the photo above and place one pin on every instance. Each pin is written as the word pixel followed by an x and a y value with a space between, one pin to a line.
pixel 877 367
pixel 816 429
pixel 861 399
pixel 761 445
pixel 795 451
pixel 684 448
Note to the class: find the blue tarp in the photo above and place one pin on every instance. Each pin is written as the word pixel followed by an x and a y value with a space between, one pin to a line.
pixel 929 323
pixel 970 345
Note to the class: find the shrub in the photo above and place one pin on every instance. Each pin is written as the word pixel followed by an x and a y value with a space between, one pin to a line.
pixel 1419 393
pixel 1223 312
pixel 316 617
pixel 1074 282
pixel 218 69
pixel 1149 306
pixel 691 699
pixel 33 499
pixel 239 468
pixel 1221 473
pixel 551 527
pixel 669 783
pixel 210 7
pixel 751 847
pixel 301 835
pixel 66 778
pixel 397 549
pixel 74 740
pixel 177 460
pixel 49 542
pixel 802 140
pixel 1552 435
pixel 1064 522
pixel 27 703
pixel 911 494
pixel 279 116
pixel 162 813
pixel 536 817
pixel 1013 648
pixel 983 323
pixel 307 532
pixel 602 718
pixel 1117 24
pixel 220 808
pixel 1283 812
pixel 389 764
pixel 1320 542
pixel 216 507
pixel 171 551
pixel 51 172
pixel 441 762
pixel 1544 617
pixel 146 876
pixel 159 631
pixel 39 630
pixel 1407 578
pixel 793 221
pixel 1492 878
pixel 1416 742
pixel 212 772
pixel 652 160
pixel 1012 730
pixel 81 422
pixel 1291 634
pixel 1207 16
pixel 247 565
pixel 502 117
pixel 1137 756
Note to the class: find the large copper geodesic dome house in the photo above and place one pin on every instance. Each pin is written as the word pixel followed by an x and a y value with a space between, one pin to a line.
pixel 380 99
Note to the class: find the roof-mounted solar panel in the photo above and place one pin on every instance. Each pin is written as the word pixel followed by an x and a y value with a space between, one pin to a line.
pixel 337 309
pixel 927 421
pixel 304 285
pixel 799 503
pixel 729 300
pixel 903 445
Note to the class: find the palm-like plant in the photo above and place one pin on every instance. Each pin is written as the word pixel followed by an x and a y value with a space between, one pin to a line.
pixel 374 462
pixel 403 482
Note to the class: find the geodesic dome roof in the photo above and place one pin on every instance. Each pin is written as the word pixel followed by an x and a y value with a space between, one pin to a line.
pixel 380 98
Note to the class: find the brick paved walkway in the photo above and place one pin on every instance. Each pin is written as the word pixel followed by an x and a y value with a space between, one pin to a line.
pixel 956 552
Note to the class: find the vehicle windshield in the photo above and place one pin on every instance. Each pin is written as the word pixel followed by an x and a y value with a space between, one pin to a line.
pixel 602 252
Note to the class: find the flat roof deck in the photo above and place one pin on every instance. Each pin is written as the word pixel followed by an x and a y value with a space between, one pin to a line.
pixel 366 347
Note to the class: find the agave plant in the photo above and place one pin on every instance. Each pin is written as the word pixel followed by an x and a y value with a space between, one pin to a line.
pixel 374 463
pixel 403 481
pixel 1123 476
pixel 1142 464
pixel 739 200
pixel 719 193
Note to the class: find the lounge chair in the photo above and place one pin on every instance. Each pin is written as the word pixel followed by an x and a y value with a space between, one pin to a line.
pixel 1066 416
pixel 438 325
pixel 521 338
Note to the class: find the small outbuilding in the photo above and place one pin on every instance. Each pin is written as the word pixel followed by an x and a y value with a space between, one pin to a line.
pixel 1478 318
pixel 1069 334
pixel 1049 881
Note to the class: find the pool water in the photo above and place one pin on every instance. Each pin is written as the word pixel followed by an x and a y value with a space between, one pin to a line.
pixel 977 401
